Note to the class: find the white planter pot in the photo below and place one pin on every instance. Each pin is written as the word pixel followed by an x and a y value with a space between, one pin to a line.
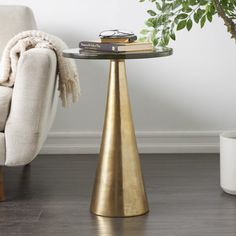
pixel 228 162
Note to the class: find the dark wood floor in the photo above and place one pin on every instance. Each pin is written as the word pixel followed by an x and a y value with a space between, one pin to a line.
pixel 52 197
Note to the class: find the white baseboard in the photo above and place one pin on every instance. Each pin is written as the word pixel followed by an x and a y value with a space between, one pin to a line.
pixel 148 142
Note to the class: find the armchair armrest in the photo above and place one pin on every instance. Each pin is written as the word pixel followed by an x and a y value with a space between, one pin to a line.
pixel 33 106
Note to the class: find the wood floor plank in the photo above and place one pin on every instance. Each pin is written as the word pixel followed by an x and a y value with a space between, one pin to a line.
pixel 52 197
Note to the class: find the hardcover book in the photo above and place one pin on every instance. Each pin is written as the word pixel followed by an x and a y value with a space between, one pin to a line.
pixel 115 47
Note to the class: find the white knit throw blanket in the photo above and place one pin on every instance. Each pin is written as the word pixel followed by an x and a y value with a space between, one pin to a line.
pixel 67 72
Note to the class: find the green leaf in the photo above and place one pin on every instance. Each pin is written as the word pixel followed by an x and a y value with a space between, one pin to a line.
pixel 158 6
pixel 142 39
pixel 187 9
pixel 209 16
pixel 189 24
pixel 144 31
pixel 203 2
pixel 200 13
pixel 151 13
pixel 163 42
pixel 203 21
pixel 175 5
pixel 149 22
pixel 181 24
pixel 155 42
pixel 172 36
pixel 212 9
pixel 166 8
pixel 182 16
pixel 193 2
pixel 166 39
pixel 184 4
pixel 196 17
pixel 155 22
pixel 154 34
pixel 141 0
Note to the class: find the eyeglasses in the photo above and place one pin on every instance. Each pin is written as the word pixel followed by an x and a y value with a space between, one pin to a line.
pixel 115 33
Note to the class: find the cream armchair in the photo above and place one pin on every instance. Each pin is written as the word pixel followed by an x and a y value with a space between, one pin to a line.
pixel 27 110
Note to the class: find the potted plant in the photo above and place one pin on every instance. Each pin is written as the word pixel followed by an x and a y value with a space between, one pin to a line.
pixel 169 16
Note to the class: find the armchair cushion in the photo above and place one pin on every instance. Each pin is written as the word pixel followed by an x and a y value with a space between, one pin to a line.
pixel 5 102
pixel 14 19
pixel 33 106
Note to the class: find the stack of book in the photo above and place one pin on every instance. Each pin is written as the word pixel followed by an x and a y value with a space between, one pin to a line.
pixel 116 43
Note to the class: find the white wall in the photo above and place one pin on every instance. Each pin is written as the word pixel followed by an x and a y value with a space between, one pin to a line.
pixel 180 103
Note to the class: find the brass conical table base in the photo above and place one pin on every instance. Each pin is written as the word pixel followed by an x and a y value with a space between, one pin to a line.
pixel 118 189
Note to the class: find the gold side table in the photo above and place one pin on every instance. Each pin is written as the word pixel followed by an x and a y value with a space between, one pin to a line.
pixel 118 189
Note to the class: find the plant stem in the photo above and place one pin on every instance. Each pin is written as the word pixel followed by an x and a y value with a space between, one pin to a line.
pixel 228 21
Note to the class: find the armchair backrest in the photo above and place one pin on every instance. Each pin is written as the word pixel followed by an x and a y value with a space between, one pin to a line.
pixel 14 19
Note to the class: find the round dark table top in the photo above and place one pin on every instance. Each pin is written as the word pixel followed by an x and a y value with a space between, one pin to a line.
pixel 77 53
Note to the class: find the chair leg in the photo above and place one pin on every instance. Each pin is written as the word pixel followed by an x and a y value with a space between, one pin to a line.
pixel 2 193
